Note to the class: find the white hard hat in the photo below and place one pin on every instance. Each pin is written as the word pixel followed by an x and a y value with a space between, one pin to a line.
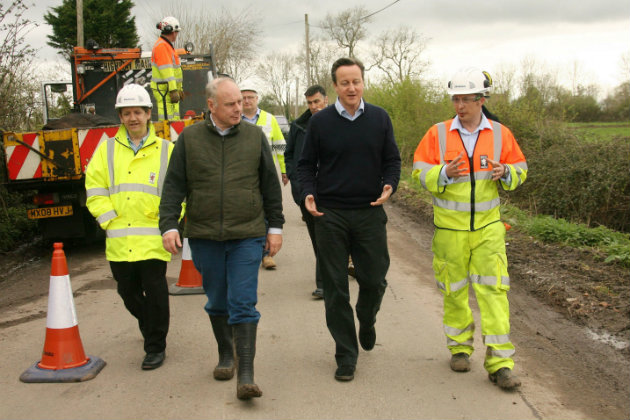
pixel 169 25
pixel 249 89
pixel 133 95
pixel 470 80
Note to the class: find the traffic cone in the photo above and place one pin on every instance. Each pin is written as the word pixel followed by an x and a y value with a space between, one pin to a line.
pixel 63 358
pixel 190 281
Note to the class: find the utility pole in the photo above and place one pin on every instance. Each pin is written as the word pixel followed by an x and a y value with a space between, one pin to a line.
pixel 80 40
pixel 308 52
pixel 297 98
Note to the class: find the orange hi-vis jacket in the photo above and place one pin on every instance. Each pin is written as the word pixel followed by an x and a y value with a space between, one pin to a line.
pixel 165 66
pixel 471 202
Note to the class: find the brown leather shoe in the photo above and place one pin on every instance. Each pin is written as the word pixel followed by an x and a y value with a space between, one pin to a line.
pixel 268 263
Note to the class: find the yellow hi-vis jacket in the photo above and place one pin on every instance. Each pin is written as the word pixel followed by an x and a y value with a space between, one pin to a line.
pixel 165 67
pixel 472 201
pixel 272 131
pixel 123 194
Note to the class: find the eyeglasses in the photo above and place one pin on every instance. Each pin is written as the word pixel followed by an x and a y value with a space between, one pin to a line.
pixel 465 99
pixel 249 98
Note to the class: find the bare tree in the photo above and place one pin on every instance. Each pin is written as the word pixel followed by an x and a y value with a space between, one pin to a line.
pixel 18 89
pixel 347 28
pixel 277 70
pixel 232 34
pixel 398 54
pixel 322 55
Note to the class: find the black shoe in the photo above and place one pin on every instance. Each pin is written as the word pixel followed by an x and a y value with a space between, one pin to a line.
pixel 345 373
pixel 153 361
pixel 505 379
pixel 367 337
pixel 318 293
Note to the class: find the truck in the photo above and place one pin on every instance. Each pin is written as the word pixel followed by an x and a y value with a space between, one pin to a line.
pixel 52 162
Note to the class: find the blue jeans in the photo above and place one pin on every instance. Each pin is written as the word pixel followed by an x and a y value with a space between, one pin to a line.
pixel 230 276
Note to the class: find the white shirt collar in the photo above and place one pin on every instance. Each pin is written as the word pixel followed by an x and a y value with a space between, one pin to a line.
pixel 457 124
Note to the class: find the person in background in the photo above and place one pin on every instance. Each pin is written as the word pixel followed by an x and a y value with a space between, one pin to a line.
pixel 254 115
pixel 224 169
pixel 316 100
pixel 123 183
pixel 349 168
pixel 462 162
pixel 166 71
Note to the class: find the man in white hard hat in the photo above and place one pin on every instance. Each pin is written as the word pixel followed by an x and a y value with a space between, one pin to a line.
pixel 124 182
pixel 254 115
pixel 166 71
pixel 462 162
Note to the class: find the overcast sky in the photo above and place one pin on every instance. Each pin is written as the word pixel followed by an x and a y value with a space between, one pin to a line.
pixel 492 35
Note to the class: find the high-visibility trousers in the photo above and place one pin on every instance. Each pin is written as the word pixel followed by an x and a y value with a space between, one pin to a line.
pixel 461 258
pixel 172 110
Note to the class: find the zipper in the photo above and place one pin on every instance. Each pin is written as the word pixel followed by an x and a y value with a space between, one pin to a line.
pixel 222 186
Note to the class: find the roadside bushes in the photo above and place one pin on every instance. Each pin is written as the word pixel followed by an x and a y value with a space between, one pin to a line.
pixel 587 182
pixel 15 227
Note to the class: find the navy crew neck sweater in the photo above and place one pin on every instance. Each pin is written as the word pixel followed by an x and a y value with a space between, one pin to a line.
pixel 344 163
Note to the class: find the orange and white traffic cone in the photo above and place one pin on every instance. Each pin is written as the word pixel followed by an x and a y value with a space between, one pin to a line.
pixel 63 358
pixel 190 281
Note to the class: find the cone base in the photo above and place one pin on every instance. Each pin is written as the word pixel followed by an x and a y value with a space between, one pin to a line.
pixel 88 371
pixel 174 289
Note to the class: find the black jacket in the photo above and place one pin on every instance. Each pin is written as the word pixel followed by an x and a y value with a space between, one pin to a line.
pixel 295 144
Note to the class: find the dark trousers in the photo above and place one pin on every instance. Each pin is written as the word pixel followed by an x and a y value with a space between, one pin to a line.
pixel 144 290
pixel 362 234
pixel 310 226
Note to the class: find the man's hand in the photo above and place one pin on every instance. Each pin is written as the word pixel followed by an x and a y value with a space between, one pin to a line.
pixel 273 243
pixel 453 169
pixel 387 192
pixel 310 205
pixel 174 96
pixel 498 169
pixel 285 179
pixel 171 241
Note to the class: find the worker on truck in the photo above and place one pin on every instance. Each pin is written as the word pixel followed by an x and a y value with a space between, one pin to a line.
pixel 462 162
pixel 166 71
pixel 124 183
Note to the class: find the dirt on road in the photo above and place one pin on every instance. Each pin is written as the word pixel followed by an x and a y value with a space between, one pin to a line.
pixel 570 315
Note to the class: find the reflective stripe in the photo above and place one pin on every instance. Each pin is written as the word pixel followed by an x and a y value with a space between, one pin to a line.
pixel 165 66
pixel 111 143
pixel 456 331
pixel 129 187
pixel 441 127
pixel 106 217
pixel 458 285
pixel 132 187
pixel 451 342
pixel 498 141
pixel 423 167
pixel 457 206
pixel 121 233
pixel 163 166
pixel 489 280
pixel 483 176
pixel 504 354
pixel 279 146
pixel 496 339
pixel 92 192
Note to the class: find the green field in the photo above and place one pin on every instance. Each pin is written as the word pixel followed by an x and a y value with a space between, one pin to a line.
pixel 600 130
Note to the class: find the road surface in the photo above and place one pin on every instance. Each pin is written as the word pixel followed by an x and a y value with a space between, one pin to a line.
pixel 406 376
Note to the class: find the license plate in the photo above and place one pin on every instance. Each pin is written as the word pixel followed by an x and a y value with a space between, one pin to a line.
pixel 44 212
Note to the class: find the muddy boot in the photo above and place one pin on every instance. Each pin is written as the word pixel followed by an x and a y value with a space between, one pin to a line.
pixel 245 344
pixel 223 334
pixel 505 379
pixel 460 362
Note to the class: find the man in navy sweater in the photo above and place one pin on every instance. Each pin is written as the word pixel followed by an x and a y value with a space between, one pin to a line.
pixel 350 166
